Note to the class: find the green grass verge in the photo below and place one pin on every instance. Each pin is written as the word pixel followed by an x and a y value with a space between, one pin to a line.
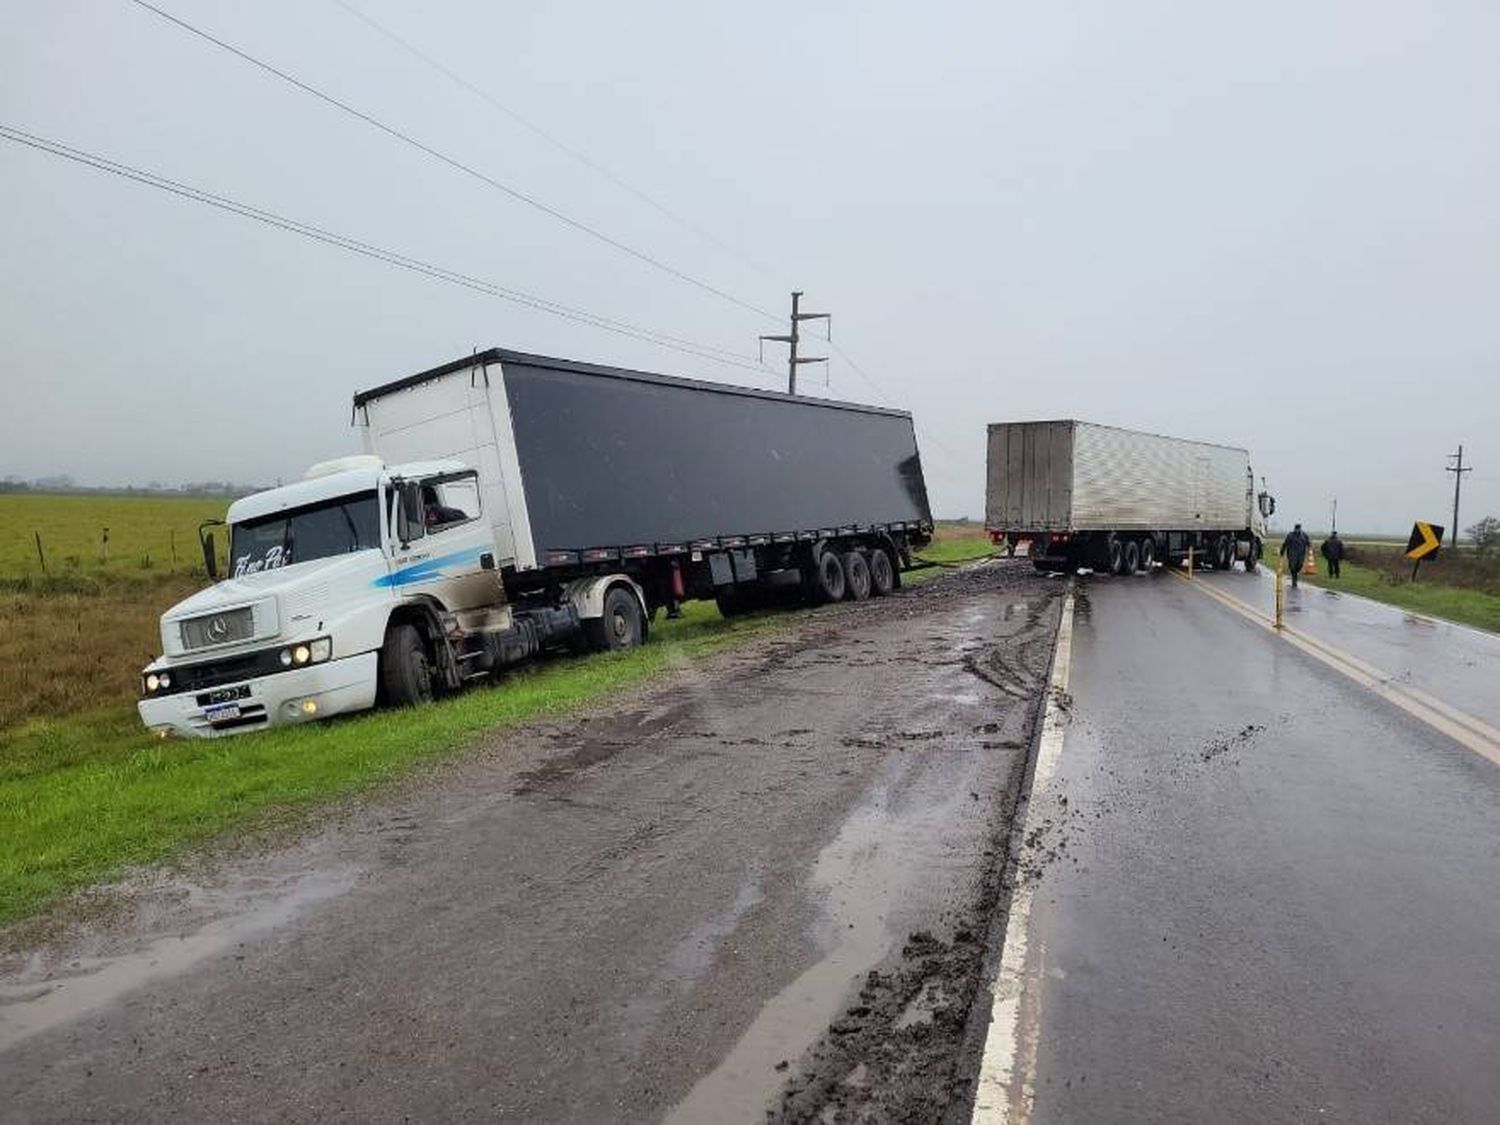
pixel 1452 603
pixel 83 796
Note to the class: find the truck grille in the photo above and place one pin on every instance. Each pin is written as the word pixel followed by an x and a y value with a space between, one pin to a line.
pixel 221 628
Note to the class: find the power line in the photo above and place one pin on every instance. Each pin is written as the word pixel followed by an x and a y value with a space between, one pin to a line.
pixel 452 162
pixel 531 126
pixel 878 389
pixel 382 254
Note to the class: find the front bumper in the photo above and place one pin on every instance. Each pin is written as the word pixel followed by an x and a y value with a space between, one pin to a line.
pixel 268 701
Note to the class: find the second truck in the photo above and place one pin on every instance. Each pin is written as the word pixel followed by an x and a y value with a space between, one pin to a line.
pixel 1073 495
pixel 509 503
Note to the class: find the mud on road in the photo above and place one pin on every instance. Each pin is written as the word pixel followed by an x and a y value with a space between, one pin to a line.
pixel 762 888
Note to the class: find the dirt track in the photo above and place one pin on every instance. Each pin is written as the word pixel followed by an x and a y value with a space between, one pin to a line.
pixel 763 887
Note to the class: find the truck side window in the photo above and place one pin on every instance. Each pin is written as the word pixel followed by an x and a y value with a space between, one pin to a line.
pixel 450 501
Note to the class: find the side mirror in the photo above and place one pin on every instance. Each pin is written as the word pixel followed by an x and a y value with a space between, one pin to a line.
pixel 206 540
pixel 409 522
pixel 1267 504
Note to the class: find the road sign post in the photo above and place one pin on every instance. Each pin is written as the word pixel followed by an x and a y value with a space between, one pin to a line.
pixel 1425 540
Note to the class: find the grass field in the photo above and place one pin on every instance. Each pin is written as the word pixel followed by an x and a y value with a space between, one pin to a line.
pixel 147 535
pixel 85 791
pixel 1462 587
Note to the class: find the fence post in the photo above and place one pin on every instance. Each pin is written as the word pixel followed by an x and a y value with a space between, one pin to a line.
pixel 40 557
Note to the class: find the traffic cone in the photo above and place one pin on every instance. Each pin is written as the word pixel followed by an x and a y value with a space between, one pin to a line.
pixel 1311 565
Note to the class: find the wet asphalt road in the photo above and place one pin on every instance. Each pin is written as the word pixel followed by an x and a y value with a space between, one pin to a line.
pixel 1271 895
pixel 762 886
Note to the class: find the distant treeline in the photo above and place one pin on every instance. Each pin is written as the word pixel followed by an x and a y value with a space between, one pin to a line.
pixel 66 485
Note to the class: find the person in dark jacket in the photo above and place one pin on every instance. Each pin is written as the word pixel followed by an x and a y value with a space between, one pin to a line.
pixel 1295 547
pixel 1333 553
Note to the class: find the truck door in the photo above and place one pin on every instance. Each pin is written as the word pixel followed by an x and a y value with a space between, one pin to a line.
pixel 442 546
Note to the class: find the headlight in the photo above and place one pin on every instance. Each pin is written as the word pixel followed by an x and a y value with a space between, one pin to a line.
pixel 153 681
pixel 307 652
pixel 164 679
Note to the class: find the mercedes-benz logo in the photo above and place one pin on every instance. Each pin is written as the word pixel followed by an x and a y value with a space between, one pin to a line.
pixel 218 628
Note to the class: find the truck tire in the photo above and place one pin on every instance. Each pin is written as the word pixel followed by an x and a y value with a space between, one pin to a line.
pixel 1252 560
pixel 828 578
pixel 1224 553
pixel 1132 559
pixel 1148 553
pixel 733 602
pixel 405 668
pixel 1116 557
pixel 882 573
pixel 856 577
pixel 620 627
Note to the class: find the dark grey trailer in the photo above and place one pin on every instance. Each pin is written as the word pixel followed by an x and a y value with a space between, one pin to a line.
pixel 689 488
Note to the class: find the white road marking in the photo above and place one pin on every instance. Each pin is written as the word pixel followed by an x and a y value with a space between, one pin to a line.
pixel 1006 1068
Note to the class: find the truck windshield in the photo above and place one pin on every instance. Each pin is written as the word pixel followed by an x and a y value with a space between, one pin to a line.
pixel 332 527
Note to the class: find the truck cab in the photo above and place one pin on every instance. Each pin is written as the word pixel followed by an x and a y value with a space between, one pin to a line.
pixel 321 573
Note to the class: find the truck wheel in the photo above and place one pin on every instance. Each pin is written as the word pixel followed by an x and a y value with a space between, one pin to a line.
pixel 733 603
pixel 856 577
pixel 1132 559
pixel 405 671
pixel 1224 556
pixel 620 627
pixel 1148 553
pixel 1252 560
pixel 828 578
pixel 1116 557
pixel 882 574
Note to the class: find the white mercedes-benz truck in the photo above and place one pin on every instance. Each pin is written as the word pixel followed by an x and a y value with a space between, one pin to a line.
pixel 506 504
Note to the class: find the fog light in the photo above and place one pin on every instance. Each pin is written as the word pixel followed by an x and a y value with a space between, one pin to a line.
pixel 309 706
pixel 162 733
pixel 286 658
pixel 322 649
pixel 301 654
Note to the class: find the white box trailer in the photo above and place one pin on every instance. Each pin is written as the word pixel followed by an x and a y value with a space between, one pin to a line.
pixel 1075 494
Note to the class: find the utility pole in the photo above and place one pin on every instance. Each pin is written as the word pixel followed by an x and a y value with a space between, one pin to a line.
pixel 1335 518
pixel 791 339
pixel 1458 469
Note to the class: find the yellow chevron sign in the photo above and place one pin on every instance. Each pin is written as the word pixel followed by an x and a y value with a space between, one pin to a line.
pixel 1424 542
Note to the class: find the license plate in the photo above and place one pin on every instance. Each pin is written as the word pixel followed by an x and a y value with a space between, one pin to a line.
pixel 1023 548
pixel 218 714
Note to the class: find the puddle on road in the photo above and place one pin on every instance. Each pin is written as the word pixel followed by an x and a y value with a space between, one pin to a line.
pixel 85 984
pixel 892 852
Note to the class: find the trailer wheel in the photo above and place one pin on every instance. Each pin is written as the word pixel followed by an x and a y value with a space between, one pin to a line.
pixel 1224 554
pixel 621 626
pixel 733 603
pixel 405 670
pixel 882 574
pixel 1132 560
pixel 828 578
pixel 1148 553
pixel 1116 557
pixel 856 577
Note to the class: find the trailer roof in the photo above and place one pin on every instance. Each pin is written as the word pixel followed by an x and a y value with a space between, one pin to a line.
pixel 1120 429
pixel 503 356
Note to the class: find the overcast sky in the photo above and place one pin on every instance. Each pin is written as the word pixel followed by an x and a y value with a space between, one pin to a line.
pixel 1272 225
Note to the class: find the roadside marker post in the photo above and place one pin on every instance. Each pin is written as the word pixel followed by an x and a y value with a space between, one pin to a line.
pixel 1190 562
pixel 1280 587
